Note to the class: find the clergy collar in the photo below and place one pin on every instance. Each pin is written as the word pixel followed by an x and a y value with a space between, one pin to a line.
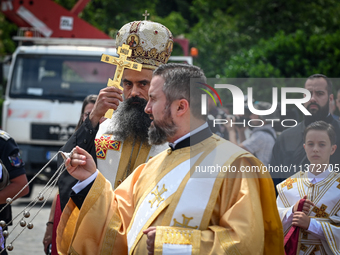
pixel 312 178
pixel 195 136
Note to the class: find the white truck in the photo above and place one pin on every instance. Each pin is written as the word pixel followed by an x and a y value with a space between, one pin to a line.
pixel 45 90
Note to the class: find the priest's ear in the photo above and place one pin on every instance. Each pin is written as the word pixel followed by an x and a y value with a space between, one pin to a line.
pixel 182 107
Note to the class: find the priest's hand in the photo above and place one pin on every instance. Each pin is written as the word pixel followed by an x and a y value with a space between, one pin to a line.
pixel 150 242
pixel 306 206
pixel 300 219
pixel 108 98
pixel 80 164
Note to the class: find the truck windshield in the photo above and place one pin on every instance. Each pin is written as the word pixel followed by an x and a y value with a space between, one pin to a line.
pixel 58 77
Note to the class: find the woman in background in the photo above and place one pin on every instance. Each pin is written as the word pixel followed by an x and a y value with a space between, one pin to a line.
pixel 52 224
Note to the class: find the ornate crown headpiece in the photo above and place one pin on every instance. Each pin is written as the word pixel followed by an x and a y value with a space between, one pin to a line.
pixel 151 42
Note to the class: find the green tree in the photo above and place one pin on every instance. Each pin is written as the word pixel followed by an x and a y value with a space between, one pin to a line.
pixel 294 55
pixel 226 27
pixel 7 31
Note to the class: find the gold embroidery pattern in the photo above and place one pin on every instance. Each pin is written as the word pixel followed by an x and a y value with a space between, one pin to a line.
pixel 338 180
pixel 316 248
pixel 177 236
pixel 185 223
pixel 330 236
pixel 289 183
pixel 110 234
pixel 304 234
pixel 104 143
pixel 226 240
pixel 149 57
pixel 152 53
pixel 303 247
pixel 139 51
pixel 92 197
pixel 157 195
pixel 321 212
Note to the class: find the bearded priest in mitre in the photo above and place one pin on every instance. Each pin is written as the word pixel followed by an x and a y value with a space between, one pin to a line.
pixel 120 144
pixel 193 198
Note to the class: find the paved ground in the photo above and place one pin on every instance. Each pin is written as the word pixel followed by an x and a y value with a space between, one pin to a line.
pixel 30 241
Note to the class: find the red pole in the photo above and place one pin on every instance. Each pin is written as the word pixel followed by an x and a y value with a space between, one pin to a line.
pixel 79 6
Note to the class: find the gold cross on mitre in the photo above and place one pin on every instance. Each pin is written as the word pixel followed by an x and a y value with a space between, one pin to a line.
pixel 124 52
pixel 146 14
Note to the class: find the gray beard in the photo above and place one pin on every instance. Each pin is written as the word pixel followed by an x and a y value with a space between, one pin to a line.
pixel 130 121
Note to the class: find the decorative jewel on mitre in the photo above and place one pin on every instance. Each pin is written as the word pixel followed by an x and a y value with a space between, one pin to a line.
pixel 151 42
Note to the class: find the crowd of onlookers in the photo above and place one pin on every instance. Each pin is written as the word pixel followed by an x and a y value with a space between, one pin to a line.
pixel 260 136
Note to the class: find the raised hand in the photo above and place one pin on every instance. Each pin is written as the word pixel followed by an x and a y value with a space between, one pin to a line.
pixel 80 164
pixel 108 98
pixel 306 206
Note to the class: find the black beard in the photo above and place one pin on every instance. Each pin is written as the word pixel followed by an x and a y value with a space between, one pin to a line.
pixel 161 130
pixel 130 120
pixel 321 114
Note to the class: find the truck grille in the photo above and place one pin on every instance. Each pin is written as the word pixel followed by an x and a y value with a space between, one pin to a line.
pixel 51 132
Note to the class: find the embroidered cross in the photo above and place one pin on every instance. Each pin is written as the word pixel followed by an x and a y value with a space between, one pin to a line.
pixel 121 63
pixel 157 195
pixel 304 234
pixel 103 144
pixel 338 180
pixel 321 212
pixel 185 223
pixel 146 14
pixel 316 248
pixel 303 247
pixel 289 183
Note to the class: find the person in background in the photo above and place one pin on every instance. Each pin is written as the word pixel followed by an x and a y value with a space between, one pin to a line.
pixel 262 138
pixel 216 112
pixel 14 166
pixel 52 223
pixel 337 101
pixel 318 185
pixel 332 108
pixel 86 109
pixel 288 149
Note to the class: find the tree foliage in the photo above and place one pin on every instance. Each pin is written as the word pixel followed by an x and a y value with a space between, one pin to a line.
pixel 228 29
pixel 235 38
pixel 294 55
pixel 7 31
